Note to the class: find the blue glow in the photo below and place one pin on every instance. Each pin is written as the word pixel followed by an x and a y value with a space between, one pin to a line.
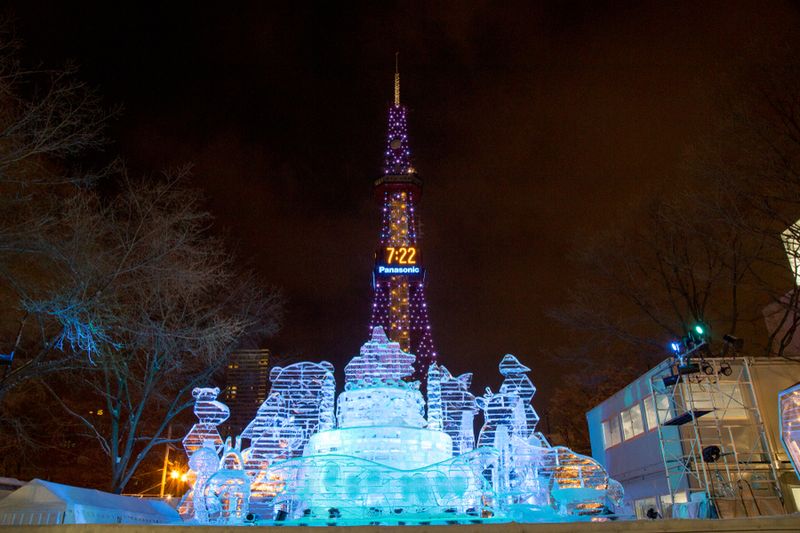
pixel 386 459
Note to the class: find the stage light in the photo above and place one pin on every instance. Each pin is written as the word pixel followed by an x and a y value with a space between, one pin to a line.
pixel 734 342
pixel 711 454
pixel 725 369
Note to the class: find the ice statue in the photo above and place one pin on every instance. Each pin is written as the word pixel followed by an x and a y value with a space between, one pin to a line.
pixel 299 405
pixel 203 439
pixel 434 386
pixel 789 412
pixel 210 414
pixel 227 492
pixel 380 460
pixel 458 410
pixel 534 479
pixel 303 392
pixel 380 360
pixel 384 460
pixel 204 462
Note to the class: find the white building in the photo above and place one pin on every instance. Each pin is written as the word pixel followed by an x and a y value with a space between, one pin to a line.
pixel 705 439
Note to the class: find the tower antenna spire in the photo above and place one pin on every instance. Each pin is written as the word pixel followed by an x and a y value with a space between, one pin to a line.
pixel 397 78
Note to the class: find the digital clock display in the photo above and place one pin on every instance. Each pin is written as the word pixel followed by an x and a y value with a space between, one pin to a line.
pixel 401 255
pixel 398 261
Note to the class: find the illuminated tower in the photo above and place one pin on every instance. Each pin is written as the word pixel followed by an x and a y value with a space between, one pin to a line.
pixel 398 280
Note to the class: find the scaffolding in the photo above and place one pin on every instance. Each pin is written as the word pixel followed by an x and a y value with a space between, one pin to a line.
pixel 713 442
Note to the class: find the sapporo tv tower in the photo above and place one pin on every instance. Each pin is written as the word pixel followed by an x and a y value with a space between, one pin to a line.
pixel 398 279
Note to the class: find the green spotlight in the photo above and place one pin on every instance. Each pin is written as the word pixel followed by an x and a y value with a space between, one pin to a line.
pixel 699 329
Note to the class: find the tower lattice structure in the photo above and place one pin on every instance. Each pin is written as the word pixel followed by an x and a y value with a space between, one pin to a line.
pixel 399 277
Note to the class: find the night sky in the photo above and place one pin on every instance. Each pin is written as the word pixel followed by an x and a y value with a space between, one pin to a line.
pixel 535 126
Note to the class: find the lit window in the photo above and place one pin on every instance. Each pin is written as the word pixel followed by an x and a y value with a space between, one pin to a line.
pixel 650 411
pixel 632 423
pixel 611 435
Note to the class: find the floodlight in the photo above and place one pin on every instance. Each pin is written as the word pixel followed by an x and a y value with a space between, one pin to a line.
pixel 711 454
pixel 735 342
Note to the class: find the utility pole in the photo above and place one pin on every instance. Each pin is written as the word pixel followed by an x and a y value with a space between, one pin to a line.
pixel 166 461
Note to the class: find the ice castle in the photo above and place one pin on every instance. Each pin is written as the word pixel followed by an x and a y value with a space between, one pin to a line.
pixel 381 457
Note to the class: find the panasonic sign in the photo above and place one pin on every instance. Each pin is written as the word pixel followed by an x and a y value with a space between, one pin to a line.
pixel 383 270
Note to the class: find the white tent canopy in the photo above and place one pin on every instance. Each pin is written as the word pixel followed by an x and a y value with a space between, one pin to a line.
pixel 45 502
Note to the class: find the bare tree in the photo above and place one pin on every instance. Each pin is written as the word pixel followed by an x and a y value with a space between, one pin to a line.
pixel 754 165
pixel 648 283
pixel 48 117
pixel 127 298
pixel 159 308
pixel 712 251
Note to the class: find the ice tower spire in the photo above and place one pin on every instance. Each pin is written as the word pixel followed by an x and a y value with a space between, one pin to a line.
pixel 398 303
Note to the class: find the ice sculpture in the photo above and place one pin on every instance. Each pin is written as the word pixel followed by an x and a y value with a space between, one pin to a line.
pixel 435 398
pixel 204 462
pixel 789 409
pixel 510 407
pixel 381 360
pixel 210 414
pixel 380 460
pixel 458 410
pixel 227 492
pixel 384 460
pixel 299 405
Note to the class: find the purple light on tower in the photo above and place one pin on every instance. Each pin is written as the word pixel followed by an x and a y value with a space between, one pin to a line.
pixel 397 159
pixel 398 303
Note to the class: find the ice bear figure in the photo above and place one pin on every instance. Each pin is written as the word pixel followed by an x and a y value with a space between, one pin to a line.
pixel 210 414
pixel 300 404
pixel 301 397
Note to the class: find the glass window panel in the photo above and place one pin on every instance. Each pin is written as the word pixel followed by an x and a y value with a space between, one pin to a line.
pixel 615 434
pixel 627 426
pixel 637 423
pixel 606 435
pixel 611 432
pixel 632 423
pixel 663 407
pixel 650 413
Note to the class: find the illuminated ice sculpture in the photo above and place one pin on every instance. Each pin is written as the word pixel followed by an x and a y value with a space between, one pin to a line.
pixel 789 410
pixel 384 459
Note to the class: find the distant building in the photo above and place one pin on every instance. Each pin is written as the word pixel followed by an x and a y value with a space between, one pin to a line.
pixel 246 386
pixel 706 441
